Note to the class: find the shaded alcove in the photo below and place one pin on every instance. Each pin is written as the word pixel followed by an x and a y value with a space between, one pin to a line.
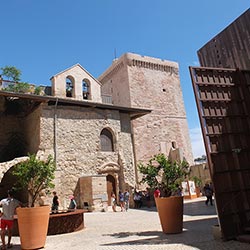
pixel 20 127
pixel 7 183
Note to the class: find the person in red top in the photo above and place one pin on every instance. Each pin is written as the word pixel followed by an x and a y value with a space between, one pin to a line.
pixel 157 193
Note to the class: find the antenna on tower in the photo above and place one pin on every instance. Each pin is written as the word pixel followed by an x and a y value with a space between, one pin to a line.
pixel 115 54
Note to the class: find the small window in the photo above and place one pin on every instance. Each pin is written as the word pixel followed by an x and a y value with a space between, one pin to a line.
pixel 174 145
pixel 106 138
pixel 69 86
pixel 85 89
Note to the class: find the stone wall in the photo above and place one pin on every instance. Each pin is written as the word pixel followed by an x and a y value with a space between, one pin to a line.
pixel 202 172
pixel 92 193
pixel 145 82
pixel 77 74
pixel 113 84
pixel 19 134
pixel 77 145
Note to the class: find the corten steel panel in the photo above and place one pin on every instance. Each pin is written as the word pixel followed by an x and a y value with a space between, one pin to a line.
pixel 223 102
pixel 230 48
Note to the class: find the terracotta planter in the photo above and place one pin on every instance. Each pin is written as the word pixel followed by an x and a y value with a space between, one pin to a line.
pixel 170 210
pixel 198 191
pixel 33 226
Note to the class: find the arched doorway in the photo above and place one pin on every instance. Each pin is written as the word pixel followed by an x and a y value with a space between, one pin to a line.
pixel 111 187
pixel 8 182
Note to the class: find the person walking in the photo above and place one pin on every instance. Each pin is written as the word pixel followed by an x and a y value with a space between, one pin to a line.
pixel 55 203
pixel 113 201
pixel 72 204
pixel 126 199
pixel 121 200
pixel 157 193
pixel 208 191
pixel 147 197
pixel 137 199
pixel 9 206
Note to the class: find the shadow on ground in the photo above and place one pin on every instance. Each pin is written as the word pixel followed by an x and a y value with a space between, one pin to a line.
pixel 191 208
pixel 197 233
pixel 192 236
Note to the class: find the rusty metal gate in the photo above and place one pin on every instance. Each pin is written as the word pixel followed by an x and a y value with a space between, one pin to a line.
pixel 223 102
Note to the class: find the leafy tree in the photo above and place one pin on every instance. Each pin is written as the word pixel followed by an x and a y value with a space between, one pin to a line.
pixel 164 174
pixel 12 73
pixel 38 90
pixel 35 175
pixel 21 87
pixel 197 181
pixel 203 158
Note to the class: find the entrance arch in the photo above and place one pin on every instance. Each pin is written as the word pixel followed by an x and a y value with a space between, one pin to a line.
pixel 7 183
pixel 112 172
pixel 111 187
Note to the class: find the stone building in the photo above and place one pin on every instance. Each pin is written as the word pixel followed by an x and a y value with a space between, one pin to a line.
pixel 95 129
pixel 146 82
pixel 85 136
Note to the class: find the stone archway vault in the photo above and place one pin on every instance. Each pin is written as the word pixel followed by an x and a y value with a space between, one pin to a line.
pixel 110 167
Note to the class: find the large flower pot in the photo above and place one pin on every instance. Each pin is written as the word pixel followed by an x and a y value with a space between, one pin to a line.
pixel 198 191
pixel 33 226
pixel 170 210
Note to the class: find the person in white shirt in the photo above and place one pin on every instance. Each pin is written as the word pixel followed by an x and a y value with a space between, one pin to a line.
pixel 9 206
pixel 126 199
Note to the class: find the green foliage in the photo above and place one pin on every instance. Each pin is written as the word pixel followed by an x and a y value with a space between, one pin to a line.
pixel 21 87
pixel 196 180
pixel 12 73
pixel 35 175
pixel 162 173
pixel 38 90
pixel 203 158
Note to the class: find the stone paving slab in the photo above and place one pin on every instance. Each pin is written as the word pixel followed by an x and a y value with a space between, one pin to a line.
pixel 140 229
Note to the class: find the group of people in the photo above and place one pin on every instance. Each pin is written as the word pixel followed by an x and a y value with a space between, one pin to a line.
pixel 138 199
pixel 55 203
pixel 9 205
pixel 123 200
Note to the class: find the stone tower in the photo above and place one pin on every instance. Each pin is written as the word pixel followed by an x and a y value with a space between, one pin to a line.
pixel 146 82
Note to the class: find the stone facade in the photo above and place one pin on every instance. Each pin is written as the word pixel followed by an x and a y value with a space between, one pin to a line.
pixel 146 82
pixel 69 125
pixel 77 75
pixel 77 146
pixel 69 128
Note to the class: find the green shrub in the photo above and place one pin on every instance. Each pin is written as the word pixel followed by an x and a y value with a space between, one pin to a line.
pixel 162 173
pixel 35 175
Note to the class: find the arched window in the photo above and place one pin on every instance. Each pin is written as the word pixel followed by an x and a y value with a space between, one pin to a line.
pixel 106 138
pixel 69 86
pixel 85 89
pixel 174 145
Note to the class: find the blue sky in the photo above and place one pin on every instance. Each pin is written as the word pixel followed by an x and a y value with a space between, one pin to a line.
pixel 42 38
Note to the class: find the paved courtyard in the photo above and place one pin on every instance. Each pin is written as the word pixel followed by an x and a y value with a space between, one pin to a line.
pixel 140 229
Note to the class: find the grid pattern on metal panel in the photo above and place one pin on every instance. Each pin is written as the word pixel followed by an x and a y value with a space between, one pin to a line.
pixel 223 102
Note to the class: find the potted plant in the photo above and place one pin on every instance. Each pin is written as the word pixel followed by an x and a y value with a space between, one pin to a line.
pixel 197 182
pixel 34 176
pixel 166 175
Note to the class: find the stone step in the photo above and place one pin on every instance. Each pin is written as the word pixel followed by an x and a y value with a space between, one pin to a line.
pixel 244 238
pixel 247 230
